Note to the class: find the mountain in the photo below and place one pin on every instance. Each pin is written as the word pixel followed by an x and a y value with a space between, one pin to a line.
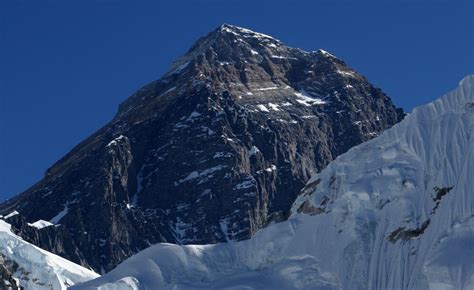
pixel 29 267
pixel 396 212
pixel 216 149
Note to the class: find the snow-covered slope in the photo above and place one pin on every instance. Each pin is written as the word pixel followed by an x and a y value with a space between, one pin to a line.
pixel 393 213
pixel 37 269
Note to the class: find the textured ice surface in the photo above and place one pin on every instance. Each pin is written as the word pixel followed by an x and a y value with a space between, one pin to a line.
pixel 37 268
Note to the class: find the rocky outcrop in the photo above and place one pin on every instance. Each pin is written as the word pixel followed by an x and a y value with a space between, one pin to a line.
pixel 7 282
pixel 213 151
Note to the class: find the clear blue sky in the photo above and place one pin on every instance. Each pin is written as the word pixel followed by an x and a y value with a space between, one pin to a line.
pixel 66 65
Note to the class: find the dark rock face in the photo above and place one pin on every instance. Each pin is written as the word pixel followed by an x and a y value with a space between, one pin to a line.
pixel 7 282
pixel 213 151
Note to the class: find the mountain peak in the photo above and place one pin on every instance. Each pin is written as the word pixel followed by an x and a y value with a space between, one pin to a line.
pixel 232 36
pixel 231 49
pixel 326 53
pixel 249 34
pixel 231 44
pixel 222 144
pixel 243 32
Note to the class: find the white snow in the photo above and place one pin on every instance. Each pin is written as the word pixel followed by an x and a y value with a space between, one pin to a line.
pixel 115 141
pixel 203 175
pixel 346 73
pixel 273 106
pixel 12 214
pixel 262 108
pixel 169 90
pixel 325 53
pixel 271 168
pixel 267 88
pixel 268 169
pixel 39 269
pixel 306 99
pixel 373 134
pixel 57 218
pixel 389 183
pixel 254 150
pixel 243 32
pixel 278 56
pixel 368 221
pixel 180 68
pixel 39 224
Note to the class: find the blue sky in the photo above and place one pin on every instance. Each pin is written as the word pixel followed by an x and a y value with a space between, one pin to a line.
pixel 66 65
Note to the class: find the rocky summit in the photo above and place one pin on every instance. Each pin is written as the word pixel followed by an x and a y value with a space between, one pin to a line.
pixel 216 149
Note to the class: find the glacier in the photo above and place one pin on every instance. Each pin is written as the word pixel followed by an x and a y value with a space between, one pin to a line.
pixel 395 213
pixel 37 269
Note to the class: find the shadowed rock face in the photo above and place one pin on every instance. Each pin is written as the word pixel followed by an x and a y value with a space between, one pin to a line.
pixel 213 151
pixel 7 281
